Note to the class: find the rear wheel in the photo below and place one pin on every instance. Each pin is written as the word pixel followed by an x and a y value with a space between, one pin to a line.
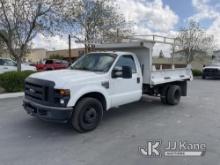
pixel 163 95
pixel 87 115
pixel 174 95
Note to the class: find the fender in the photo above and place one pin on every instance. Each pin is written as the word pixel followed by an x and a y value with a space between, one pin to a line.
pixel 85 90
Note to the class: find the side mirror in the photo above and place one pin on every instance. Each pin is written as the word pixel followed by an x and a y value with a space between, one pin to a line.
pixel 123 72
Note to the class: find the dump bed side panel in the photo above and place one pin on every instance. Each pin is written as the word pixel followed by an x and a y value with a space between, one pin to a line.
pixel 170 75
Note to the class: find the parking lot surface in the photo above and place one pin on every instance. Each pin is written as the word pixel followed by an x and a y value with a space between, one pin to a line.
pixel 25 140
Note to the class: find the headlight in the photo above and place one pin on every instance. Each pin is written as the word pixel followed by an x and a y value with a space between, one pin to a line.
pixel 63 92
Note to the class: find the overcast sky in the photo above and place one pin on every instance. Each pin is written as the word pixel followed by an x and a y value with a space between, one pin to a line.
pixel 163 17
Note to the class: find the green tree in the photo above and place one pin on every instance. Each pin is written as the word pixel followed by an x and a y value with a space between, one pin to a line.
pixel 193 39
pixel 2 47
pixel 56 56
pixel 95 21
pixel 22 20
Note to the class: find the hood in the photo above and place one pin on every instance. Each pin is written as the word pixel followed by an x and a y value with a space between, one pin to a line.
pixel 212 67
pixel 66 76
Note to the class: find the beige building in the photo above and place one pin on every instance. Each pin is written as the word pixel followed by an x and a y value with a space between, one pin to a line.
pixel 39 54
pixel 166 63
pixel 75 53
pixel 35 55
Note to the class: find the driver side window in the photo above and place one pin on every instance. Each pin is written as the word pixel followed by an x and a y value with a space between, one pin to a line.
pixel 1 62
pixel 126 60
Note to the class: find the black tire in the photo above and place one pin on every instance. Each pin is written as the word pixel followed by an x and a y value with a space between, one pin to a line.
pixel 174 95
pixel 163 95
pixel 203 77
pixel 87 115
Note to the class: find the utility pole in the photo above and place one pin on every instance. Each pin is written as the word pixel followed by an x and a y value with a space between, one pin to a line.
pixel 69 48
pixel 117 34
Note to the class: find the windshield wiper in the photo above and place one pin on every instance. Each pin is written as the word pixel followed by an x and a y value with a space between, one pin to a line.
pixel 97 70
pixel 84 68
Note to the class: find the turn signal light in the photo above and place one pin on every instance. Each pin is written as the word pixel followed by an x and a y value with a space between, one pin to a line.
pixel 63 92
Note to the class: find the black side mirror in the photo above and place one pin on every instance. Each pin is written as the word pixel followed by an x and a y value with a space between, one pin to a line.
pixel 123 72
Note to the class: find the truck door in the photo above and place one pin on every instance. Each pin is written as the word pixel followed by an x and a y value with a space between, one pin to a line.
pixel 126 90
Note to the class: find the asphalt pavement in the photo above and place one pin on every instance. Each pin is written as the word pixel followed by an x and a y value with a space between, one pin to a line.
pixel 25 140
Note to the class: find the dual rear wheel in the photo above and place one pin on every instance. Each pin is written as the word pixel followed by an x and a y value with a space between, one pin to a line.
pixel 171 94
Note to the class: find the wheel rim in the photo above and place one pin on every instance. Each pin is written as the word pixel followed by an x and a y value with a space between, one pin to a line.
pixel 90 115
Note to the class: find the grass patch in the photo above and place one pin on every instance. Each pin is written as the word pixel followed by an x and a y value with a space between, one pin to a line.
pixel 196 72
pixel 14 81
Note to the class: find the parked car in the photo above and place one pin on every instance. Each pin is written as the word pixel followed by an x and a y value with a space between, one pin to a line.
pixel 99 81
pixel 211 71
pixel 52 64
pixel 7 65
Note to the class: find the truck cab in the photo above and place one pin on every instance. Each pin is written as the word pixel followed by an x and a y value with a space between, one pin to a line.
pixel 211 71
pixel 99 81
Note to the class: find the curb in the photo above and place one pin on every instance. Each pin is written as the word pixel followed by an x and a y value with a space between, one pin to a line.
pixel 11 95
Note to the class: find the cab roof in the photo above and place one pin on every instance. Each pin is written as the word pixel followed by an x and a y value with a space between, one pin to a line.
pixel 118 53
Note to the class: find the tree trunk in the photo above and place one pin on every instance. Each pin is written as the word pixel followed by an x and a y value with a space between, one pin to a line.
pixel 18 64
pixel 86 48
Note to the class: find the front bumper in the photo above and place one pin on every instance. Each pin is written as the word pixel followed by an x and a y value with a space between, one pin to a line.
pixel 47 113
pixel 214 75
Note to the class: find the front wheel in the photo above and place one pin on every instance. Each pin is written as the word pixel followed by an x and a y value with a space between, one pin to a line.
pixel 87 115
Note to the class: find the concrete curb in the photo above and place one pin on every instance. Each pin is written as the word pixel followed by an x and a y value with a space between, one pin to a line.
pixel 11 95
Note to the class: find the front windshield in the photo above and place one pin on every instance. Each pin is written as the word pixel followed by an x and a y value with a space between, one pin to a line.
pixel 95 62
pixel 214 64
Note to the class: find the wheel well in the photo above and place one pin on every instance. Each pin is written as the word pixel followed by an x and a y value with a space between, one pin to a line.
pixel 159 88
pixel 182 84
pixel 97 96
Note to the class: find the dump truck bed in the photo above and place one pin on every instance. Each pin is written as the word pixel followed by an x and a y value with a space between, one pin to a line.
pixel 144 52
pixel 170 75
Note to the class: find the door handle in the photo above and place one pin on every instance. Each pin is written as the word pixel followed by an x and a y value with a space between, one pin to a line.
pixel 138 80
pixel 5 68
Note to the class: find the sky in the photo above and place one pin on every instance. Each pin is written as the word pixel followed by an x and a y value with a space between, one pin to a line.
pixel 163 17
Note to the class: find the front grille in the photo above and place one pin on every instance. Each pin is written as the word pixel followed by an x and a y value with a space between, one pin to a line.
pixel 43 92
pixel 211 70
pixel 40 91
pixel 34 91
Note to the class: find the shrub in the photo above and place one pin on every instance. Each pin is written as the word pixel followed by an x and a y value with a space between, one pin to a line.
pixel 56 56
pixel 14 81
pixel 196 72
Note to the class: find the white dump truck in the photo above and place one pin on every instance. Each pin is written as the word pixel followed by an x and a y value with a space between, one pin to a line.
pixel 115 75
